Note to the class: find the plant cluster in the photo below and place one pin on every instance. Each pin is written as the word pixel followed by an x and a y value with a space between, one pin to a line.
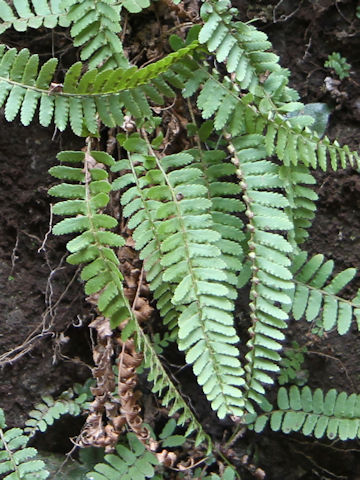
pixel 339 64
pixel 228 210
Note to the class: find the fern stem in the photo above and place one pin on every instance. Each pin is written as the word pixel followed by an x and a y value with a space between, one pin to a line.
pixel 10 454
pixel 252 257
pixel 289 210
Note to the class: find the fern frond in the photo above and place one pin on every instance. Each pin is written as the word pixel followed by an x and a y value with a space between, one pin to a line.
pixel 16 459
pixel 25 14
pixel 50 409
pixel 271 280
pixel 95 28
pixel 316 293
pixel 144 224
pixel 133 463
pixel 242 46
pixel 225 210
pixel 82 97
pixel 92 246
pixel 189 258
pixel 244 50
pixel 263 112
pixel 301 199
pixel 334 415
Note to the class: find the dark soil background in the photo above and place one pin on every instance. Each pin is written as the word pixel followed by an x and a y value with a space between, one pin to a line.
pixel 44 347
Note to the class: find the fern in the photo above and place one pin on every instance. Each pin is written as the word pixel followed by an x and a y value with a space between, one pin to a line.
pixel 271 279
pixel 144 223
pixel 145 220
pixel 291 365
pixel 49 410
pixel 102 273
pixel 82 97
pixel 95 28
pixel 239 44
pixel 185 211
pixel 186 249
pixel 313 413
pixel 135 463
pixel 93 245
pixel 24 14
pixel 17 461
pixel 266 106
pixel 289 138
pixel 338 64
pixel 315 297
pixel 301 199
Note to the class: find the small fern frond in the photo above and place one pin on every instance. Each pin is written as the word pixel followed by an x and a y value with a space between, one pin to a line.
pixel 128 463
pixel 225 210
pixel 141 212
pixel 334 415
pixel 16 459
pixel 49 410
pixel 95 28
pixel 316 296
pixel 25 14
pixel 271 280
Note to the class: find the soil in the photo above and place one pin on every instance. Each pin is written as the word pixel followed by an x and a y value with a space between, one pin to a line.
pixel 44 347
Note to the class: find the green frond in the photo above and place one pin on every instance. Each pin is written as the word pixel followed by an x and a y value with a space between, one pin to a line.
pixel 316 293
pixel 224 209
pixel 16 459
pixel 334 415
pixel 142 218
pixel 130 463
pixel 169 395
pixel 185 250
pixel 49 410
pixel 24 14
pixel 78 101
pixel 94 243
pixel 271 279
pixel 101 274
pixel 240 45
pixel 301 199
pixel 95 28
pixel 264 109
